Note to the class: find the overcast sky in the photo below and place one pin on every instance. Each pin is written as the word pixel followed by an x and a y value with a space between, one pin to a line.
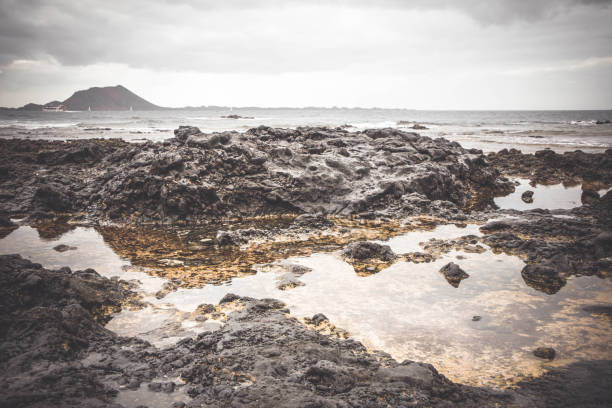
pixel 423 54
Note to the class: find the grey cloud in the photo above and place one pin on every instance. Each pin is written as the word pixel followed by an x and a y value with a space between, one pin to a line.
pixel 251 35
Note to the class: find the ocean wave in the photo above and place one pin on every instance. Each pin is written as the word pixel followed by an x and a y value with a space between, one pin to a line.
pixel 374 125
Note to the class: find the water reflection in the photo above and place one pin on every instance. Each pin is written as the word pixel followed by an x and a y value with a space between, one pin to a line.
pixel 90 252
pixel 549 197
pixel 408 310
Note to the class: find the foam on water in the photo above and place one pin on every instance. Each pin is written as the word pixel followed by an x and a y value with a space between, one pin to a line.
pixel 489 131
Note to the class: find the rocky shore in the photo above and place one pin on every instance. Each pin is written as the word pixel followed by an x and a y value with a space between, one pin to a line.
pixel 195 177
pixel 322 189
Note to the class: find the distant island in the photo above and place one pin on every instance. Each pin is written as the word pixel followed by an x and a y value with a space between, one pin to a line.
pixel 109 98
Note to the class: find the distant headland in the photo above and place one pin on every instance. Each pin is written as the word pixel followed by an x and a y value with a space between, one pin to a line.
pixel 109 98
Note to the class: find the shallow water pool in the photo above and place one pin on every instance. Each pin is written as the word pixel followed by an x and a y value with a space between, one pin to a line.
pixel 548 197
pixel 408 310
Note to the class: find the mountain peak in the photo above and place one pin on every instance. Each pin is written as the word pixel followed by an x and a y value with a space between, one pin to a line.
pixel 107 98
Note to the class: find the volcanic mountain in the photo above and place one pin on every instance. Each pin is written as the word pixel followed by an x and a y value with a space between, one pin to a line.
pixel 107 98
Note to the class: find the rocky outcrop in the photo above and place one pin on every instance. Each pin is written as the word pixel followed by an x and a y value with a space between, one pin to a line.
pixel 368 257
pixel 6 226
pixel 549 167
pixel 527 196
pixel 546 353
pixel 365 250
pixel 589 197
pixel 239 237
pixel 556 248
pixel 543 278
pixel 55 353
pixel 453 274
pixel 196 176
pixel 49 319
pixel 292 366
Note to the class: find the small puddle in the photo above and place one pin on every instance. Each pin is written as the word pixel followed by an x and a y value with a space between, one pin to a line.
pixel 161 325
pixel 547 197
pixel 143 396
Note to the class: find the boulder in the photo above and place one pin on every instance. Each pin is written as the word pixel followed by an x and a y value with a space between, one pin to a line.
pixel 543 278
pixel 589 197
pixel 366 250
pixel 527 196
pixel 453 274
pixel 546 353
pixel 183 132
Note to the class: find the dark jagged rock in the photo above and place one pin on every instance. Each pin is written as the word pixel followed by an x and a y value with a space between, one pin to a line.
pixel 581 384
pixel 547 353
pixel 63 248
pixel 183 132
pixel 543 278
pixel 527 196
pixel 453 274
pixel 319 318
pixel 292 366
pixel 561 246
pixel 6 225
pixel 365 250
pixel 239 237
pixel 53 197
pixel 49 319
pixel 230 297
pixel 195 176
pixel 549 167
pixel 55 353
pixel 589 197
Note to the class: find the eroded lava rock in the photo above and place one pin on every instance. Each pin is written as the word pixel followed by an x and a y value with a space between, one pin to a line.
pixel 196 176
pixel 453 274
pixel 527 196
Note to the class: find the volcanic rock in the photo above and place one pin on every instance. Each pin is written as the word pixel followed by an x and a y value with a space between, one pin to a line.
pixel 543 278
pixel 589 197
pixel 453 274
pixel 194 176
pixel 527 196
pixel 365 250
pixel 546 353
pixel 63 248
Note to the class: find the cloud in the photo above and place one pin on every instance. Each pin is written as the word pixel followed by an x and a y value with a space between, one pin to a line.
pixel 231 47
pixel 240 35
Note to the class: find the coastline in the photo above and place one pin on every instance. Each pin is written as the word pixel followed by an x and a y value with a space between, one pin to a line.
pixel 281 193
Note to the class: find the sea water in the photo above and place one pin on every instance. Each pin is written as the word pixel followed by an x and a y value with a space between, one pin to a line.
pixel 487 130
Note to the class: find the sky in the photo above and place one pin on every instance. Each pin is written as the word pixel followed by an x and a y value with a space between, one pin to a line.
pixel 420 54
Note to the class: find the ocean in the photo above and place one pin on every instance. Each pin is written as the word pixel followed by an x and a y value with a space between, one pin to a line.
pixel 487 130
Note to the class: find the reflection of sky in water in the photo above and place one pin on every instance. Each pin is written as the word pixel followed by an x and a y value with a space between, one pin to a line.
pixel 143 396
pixel 408 310
pixel 90 252
pixel 550 197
